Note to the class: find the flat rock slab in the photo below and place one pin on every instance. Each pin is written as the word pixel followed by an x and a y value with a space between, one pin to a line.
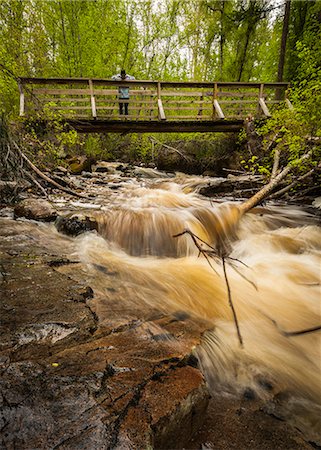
pixel 68 382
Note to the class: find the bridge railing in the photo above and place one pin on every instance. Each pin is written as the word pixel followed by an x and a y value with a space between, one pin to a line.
pixel 85 98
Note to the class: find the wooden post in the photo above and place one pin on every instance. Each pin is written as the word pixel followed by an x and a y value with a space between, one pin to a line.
pixel 218 110
pixel 261 93
pixel 289 104
pixel 261 104
pixel 22 100
pixel 287 101
pixel 214 98
pixel 92 99
pixel 161 113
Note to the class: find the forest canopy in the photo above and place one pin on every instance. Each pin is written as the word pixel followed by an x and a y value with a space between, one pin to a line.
pixel 235 40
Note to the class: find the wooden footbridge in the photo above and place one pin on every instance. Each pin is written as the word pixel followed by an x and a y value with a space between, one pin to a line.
pixel 92 105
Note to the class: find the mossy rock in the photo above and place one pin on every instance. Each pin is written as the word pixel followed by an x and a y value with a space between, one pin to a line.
pixel 81 164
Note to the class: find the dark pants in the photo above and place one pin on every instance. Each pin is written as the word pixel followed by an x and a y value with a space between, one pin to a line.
pixel 123 109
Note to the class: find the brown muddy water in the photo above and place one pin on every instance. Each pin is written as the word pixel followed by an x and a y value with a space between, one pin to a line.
pixel 274 280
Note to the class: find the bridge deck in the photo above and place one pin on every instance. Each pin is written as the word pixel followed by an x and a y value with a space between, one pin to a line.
pixel 154 126
pixel 94 105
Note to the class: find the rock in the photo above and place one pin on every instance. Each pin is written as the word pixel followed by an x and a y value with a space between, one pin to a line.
pixel 238 186
pixel 62 181
pixel 168 412
pixel 317 203
pixel 104 167
pixel 87 174
pixel 7 212
pixel 60 170
pixel 75 224
pixel 37 209
pixel 209 173
pixel 80 164
pixel 228 426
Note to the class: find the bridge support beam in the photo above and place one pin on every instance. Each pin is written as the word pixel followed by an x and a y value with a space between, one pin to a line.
pixel 22 100
pixel 155 126
pixel 92 99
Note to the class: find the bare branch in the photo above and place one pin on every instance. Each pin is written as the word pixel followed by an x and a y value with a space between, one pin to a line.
pixel 276 163
pixel 170 148
pixel 211 253
pixel 43 176
pixel 231 303
pixel 293 333
pixel 295 182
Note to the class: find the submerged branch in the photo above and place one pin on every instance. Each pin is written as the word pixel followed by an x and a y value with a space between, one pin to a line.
pixel 213 254
pixel 293 333
pixel 231 303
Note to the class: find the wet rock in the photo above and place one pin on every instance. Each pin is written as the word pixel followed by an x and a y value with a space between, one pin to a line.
pixel 80 164
pixel 87 293
pixel 75 224
pixel 115 187
pixel 230 427
pixel 60 170
pixel 166 412
pixel 238 186
pixel 249 394
pixel 58 262
pixel 87 175
pixel 52 332
pixel 62 181
pixel 104 167
pixel 36 209
pixel 7 212
pixel 209 173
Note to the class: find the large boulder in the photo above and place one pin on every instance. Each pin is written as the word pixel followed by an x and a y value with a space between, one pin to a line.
pixel 35 208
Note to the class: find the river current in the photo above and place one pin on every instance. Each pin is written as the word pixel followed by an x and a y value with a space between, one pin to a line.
pixel 273 272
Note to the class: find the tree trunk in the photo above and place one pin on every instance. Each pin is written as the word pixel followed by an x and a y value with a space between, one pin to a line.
pixel 222 40
pixel 285 30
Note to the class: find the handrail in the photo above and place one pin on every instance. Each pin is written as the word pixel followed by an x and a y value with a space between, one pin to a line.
pixel 108 81
pixel 152 100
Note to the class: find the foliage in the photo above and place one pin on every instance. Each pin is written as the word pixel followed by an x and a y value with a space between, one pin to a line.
pixel 48 139
pixel 289 130
pixel 171 39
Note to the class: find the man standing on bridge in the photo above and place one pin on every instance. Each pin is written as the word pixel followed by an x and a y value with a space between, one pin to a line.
pixel 123 91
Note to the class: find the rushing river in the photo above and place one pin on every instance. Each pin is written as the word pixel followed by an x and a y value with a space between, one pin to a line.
pixel 274 278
